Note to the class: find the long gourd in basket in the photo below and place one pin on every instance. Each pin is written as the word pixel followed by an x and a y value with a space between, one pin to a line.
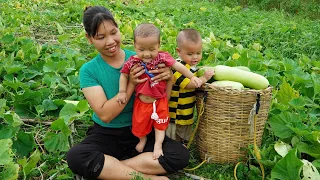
pixel 248 79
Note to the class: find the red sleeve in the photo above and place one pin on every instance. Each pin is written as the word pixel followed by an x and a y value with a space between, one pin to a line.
pixel 168 59
pixel 127 66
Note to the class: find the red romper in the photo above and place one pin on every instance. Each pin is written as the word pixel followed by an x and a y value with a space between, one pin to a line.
pixel 148 115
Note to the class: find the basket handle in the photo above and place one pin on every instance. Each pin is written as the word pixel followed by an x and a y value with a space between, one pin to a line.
pixel 257 103
pixel 200 113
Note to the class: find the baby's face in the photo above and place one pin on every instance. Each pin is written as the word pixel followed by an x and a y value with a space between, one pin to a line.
pixel 190 52
pixel 147 48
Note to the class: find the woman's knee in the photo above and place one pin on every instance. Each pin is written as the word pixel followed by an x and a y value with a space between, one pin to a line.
pixel 176 156
pixel 85 162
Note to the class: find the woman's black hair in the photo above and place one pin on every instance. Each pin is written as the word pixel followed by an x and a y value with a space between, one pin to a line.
pixel 93 16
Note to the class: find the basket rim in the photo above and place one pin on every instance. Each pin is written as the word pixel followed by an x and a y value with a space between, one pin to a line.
pixel 210 87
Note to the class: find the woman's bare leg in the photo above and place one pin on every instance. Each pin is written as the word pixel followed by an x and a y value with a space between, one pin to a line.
pixel 145 163
pixel 114 169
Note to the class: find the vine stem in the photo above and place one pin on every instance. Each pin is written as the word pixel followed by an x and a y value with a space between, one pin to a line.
pixel 33 121
pixel 40 146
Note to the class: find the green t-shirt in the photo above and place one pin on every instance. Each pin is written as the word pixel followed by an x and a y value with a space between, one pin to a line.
pixel 97 72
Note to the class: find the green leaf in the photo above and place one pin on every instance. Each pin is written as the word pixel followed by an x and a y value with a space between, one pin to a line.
pixel 24 144
pixel 32 162
pixel 298 76
pixel 60 125
pixel 73 81
pixel 288 168
pixel 23 110
pixel 8 131
pixel 5 151
pixel 56 142
pixel 273 77
pixel 63 38
pixel 31 73
pixel 59 27
pixel 10 172
pixel 294 141
pixel 316 85
pixel 29 97
pixel 3 103
pixel 68 112
pixel 14 84
pixel 307 134
pixel 13 119
pixel 315 112
pixel 286 93
pixel 8 39
pixel 52 66
pixel 297 102
pixel 279 124
pixel 14 67
pixel 255 173
pixel 316 163
pixel 49 105
pixel 311 149
pixel 83 106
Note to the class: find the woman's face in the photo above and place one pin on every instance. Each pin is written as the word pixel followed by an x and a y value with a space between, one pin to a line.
pixel 107 39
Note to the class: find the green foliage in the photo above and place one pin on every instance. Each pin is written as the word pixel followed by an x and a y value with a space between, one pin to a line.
pixel 288 168
pixel 305 8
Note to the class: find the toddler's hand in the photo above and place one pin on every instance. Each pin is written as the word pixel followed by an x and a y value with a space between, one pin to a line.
pixel 197 81
pixel 208 74
pixel 122 98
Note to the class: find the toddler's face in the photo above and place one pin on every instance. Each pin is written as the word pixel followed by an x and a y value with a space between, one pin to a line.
pixel 190 52
pixel 147 48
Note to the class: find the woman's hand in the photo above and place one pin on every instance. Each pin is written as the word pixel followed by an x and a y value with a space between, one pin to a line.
pixel 135 72
pixel 163 73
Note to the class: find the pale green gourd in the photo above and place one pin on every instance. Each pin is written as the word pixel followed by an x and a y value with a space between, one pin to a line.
pixel 248 79
pixel 228 84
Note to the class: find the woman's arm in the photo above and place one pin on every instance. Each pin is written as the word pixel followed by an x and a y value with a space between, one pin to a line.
pixel 169 87
pixel 163 73
pixel 108 109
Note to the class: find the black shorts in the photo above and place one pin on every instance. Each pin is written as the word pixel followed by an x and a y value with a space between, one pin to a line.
pixel 87 157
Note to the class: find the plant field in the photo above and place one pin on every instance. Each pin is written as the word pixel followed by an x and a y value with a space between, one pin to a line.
pixel 43 111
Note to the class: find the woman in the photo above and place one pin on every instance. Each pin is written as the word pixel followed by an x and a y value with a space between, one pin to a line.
pixel 108 151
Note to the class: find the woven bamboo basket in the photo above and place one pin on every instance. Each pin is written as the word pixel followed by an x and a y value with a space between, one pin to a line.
pixel 224 131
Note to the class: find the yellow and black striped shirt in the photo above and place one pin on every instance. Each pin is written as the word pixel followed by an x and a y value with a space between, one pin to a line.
pixel 182 101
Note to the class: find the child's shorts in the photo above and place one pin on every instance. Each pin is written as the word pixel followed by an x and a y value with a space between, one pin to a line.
pixel 141 119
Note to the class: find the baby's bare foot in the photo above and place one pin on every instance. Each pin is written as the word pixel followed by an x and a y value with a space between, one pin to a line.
pixel 141 144
pixel 157 152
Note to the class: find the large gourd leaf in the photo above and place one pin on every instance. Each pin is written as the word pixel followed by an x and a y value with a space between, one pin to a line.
pixel 10 172
pixel 5 151
pixel 281 123
pixel 288 168
pixel 56 142
pixel 24 143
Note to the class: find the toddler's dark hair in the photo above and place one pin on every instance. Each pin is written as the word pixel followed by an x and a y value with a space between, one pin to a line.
pixel 188 34
pixel 93 16
pixel 145 30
